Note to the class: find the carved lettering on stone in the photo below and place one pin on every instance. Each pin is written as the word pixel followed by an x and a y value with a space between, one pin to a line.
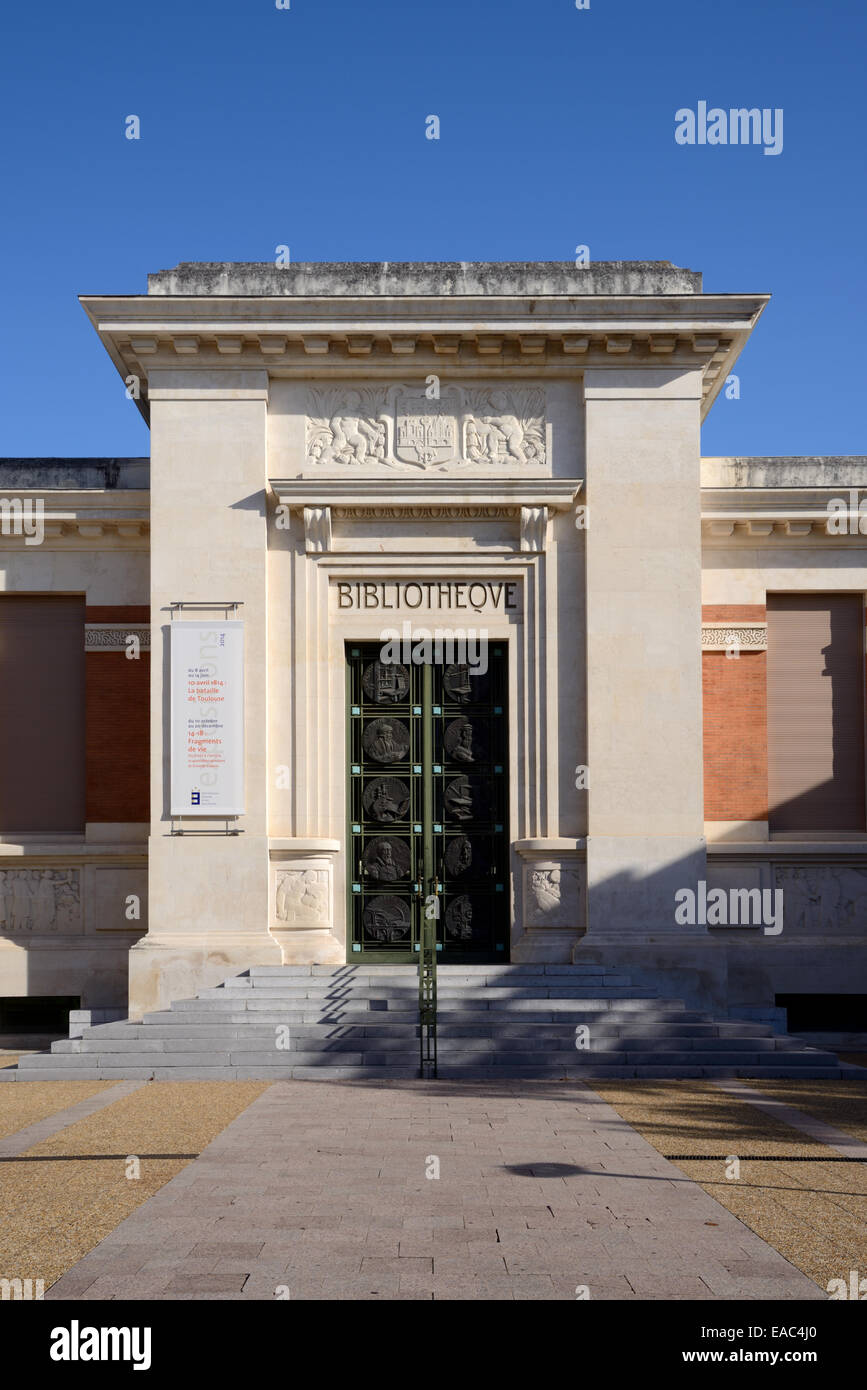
pixel 400 427
pixel 40 900
pixel 302 897
pixel 823 897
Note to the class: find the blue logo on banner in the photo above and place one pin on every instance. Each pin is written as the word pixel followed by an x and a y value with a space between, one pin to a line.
pixel 196 798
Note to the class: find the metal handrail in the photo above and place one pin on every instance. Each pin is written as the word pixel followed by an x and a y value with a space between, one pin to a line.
pixel 427 991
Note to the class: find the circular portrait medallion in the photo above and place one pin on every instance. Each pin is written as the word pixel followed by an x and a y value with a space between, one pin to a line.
pixel 386 740
pixel 386 859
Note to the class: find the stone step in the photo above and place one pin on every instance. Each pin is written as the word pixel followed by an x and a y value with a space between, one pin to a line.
pixel 396 971
pixel 462 998
pixel 605 989
pixel 452 976
pixel 377 1052
pixel 591 1001
pixel 409 1017
pixel 213 1034
pixel 147 1047
pixel 370 1011
pixel 362 1022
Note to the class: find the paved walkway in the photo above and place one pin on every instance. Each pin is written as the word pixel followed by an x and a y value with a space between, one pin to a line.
pixel 320 1191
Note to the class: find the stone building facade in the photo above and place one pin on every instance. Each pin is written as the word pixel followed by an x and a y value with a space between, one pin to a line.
pixel 671 717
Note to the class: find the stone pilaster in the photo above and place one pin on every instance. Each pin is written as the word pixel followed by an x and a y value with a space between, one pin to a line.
pixel 643 648
pixel 208 893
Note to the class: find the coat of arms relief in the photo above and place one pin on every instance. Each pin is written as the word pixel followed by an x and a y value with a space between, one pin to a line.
pixel 400 425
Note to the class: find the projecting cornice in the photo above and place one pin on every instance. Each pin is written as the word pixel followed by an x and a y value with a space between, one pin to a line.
pixel 528 503
pixel 74 520
pixel 458 335
pixel 557 494
pixel 749 516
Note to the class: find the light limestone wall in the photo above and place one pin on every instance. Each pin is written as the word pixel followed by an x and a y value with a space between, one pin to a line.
pixel 208 894
pixel 746 574
pixel 567 607
pixel 104 576
pixel 643 654
pixel 74 939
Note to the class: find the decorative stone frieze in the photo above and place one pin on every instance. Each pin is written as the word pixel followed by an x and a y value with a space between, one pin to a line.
pixel 399 425
pixel 826 898
pixel 114 637
pixel 430 513
pixel 717 637
pixel 35 901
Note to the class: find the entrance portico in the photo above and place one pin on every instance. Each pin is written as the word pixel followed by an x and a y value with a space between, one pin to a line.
pixel 507 449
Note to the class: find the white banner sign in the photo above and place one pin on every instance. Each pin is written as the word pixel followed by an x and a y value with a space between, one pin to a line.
pixel 207 719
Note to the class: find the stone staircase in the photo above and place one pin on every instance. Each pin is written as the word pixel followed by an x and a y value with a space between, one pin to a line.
pixel 342 1022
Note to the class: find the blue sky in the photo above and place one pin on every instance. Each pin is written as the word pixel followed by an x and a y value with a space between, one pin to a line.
pixel 305 127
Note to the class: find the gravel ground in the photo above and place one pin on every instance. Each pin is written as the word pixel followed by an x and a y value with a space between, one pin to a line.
pixel 53 1212
pixel 814 1213
pixel 22 1105
pixel 839 1103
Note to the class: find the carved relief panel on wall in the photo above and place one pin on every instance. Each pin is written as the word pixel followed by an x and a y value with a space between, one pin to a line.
pixel 823 897
pixel 399 426
pixel 40 900
pixel 553 897
pixel 302 897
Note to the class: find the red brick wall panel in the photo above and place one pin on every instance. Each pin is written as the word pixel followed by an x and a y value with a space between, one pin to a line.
pixel 735 724
pixel 117 692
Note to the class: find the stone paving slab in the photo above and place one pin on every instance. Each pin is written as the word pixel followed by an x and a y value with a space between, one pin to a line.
pixel 321 1189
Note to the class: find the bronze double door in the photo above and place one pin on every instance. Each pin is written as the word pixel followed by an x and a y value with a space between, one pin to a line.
pixel 427 750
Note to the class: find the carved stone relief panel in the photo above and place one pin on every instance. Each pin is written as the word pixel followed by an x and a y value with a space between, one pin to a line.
pixel 400 426
pixel 302 897
pixel 40 900
pixel 552 897
pixel 827 898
